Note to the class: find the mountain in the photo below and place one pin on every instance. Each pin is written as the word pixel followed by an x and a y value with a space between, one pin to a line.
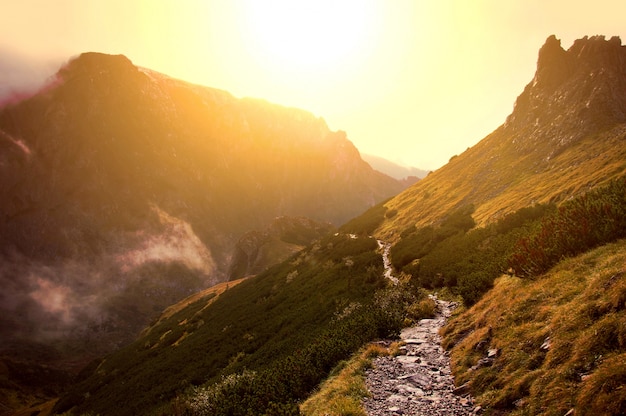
pixel 566 135
pixel 407 173
pixel 546 185
pixel 123 191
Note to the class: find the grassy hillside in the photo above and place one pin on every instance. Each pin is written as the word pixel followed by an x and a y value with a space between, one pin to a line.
pixel 528 242
pixel 561 340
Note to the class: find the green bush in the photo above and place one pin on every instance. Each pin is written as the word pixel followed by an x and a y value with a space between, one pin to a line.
pixel 279 386
pixel 595 218
pixel 453 255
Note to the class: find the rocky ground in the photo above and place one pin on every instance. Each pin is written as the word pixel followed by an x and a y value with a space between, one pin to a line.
pixel 419 380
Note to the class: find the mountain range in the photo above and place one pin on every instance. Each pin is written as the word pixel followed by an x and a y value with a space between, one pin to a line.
pixel 123 191
pixel 489 217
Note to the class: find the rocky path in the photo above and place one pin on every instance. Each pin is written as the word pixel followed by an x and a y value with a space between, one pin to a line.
pixel 385 248
pixel 419 380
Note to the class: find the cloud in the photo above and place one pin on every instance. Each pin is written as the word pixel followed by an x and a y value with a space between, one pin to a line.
pixel 53 298
pixel 175 243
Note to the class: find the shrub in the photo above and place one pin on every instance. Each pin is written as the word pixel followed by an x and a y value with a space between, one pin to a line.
pixel 595 218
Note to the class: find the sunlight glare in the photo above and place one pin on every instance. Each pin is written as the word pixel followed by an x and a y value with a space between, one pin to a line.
pixel 308 36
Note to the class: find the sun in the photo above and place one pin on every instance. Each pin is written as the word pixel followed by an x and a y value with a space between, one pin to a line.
pixel 313 36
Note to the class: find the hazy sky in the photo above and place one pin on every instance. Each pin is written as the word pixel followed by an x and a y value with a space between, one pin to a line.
pixel 415 81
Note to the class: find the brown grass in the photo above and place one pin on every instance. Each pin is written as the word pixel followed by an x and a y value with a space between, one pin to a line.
pixel 579 309
pixel 341 394
pixel 177 307
pixel 497 180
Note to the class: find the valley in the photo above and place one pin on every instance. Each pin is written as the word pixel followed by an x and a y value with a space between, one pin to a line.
pixel 207 255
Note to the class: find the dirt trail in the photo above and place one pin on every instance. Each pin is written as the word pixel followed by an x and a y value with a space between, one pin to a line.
pixel 419 380
pixel 385 248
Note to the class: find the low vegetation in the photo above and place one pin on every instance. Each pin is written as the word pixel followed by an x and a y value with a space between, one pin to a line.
pixel 455 256
pixel 527 242
pixel 341 393
pixel 580 224
pixel 560 340
pixel 257 348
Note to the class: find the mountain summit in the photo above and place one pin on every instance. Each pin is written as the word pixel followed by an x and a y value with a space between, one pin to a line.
pixel 566 134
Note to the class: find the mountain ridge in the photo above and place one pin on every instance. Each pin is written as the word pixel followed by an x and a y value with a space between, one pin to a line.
pixel 394 170
pixel 462 219
pixel 560 133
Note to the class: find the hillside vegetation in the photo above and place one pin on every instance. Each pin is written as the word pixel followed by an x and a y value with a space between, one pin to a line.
pixel 560 340
pixel 264 344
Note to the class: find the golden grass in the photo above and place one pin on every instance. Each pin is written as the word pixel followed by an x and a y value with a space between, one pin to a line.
pixel 561 337
pixel 497 180
pixel 341 394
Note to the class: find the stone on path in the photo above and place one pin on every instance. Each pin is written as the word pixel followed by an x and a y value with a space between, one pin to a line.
pixel 419 380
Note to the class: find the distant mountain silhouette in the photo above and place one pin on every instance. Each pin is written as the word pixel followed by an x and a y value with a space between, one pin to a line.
pixel 393 169
pixel 123 190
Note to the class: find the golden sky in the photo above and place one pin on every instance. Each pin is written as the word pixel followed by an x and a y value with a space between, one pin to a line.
pixel 415 81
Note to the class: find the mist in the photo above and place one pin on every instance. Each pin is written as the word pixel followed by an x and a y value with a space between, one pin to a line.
pixel 108 298
pixel 21 76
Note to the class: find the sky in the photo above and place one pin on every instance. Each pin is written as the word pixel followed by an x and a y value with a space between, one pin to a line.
pixel 414 81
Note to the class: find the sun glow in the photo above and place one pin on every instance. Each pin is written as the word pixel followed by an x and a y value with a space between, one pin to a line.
pixel 308 36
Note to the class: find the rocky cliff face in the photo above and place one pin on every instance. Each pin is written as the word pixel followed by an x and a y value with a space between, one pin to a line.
pixel 574 93
pixel 566 134
pixel 123 190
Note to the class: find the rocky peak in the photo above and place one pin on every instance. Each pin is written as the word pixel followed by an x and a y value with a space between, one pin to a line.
pixel 554 64
pixel 573 92
pixel 95 63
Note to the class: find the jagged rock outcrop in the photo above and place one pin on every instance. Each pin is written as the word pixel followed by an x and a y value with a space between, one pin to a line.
pixel 574 93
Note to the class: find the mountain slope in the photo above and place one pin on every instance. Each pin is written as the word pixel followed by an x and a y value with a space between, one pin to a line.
pixel 257 250
pixel 560 340
pixel 123 190
pixel 567 134
pixel 393 169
